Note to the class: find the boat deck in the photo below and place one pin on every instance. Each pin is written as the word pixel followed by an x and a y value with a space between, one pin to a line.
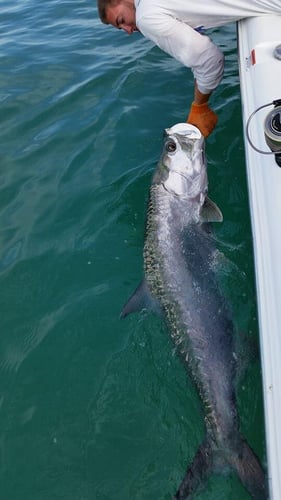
pixel 260 80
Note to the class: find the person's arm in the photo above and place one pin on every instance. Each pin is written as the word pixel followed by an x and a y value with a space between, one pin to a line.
pixel 195 51
pixel 199 97
pixel 185 44
pixel 200 114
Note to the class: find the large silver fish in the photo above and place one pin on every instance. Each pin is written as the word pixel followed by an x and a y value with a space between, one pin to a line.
pixel 179 256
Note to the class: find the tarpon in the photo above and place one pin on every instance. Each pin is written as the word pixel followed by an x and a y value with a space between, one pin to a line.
pixel 179 276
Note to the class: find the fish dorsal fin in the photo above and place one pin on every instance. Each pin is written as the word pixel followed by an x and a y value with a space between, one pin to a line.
pixel 210 212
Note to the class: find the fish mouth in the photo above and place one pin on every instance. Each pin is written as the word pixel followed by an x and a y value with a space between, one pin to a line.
pixel 183 129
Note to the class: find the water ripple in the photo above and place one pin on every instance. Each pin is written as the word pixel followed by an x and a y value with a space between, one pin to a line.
pixel 83 108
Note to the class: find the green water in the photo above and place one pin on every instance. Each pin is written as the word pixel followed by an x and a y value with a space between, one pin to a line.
pixel 91 407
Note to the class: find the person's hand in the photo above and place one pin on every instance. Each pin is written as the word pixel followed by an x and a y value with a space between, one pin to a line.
pixel 202 117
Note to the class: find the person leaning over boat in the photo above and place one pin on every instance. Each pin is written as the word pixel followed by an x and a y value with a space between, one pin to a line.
pixel 176 26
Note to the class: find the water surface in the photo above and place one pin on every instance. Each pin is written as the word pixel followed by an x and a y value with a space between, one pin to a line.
pixel 92 407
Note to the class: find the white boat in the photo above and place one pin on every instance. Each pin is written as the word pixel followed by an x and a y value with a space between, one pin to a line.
pixel 259 46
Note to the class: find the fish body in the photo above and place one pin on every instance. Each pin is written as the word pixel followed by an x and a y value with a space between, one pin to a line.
pixel 179 268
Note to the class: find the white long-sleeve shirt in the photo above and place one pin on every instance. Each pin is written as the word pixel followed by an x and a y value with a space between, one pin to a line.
pixel 172 25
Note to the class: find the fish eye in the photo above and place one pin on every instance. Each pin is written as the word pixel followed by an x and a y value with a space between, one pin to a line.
pixel 171 146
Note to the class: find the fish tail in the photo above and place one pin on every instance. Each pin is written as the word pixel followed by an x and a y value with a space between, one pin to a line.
pixel 198 472
pixel 241 459
pixel 249 470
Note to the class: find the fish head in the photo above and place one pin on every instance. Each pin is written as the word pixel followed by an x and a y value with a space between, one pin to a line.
pixel 182 167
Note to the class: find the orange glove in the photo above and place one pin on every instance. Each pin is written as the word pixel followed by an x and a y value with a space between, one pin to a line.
pixel 202 117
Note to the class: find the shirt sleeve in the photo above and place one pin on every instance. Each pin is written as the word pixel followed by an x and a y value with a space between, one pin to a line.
pixel 185 44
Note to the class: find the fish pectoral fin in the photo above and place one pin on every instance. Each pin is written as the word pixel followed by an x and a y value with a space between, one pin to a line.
pixel 210 212
pixel 139 300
